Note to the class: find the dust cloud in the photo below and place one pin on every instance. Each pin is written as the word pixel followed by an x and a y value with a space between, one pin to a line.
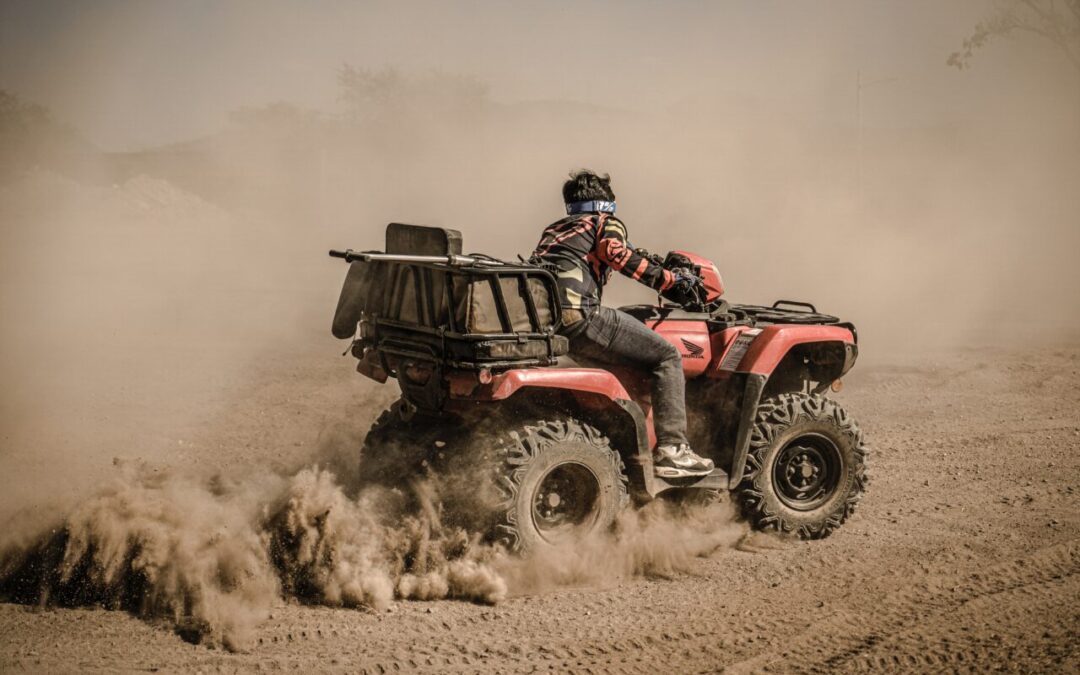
pixel 213 555
pixel 166 204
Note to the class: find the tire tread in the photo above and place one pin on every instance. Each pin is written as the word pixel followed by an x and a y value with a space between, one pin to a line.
pixel 774 416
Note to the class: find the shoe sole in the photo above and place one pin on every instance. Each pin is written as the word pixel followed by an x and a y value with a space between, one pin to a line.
pixel 665 472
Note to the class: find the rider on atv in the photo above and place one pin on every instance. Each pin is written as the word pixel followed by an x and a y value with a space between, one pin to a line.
pixel 582 249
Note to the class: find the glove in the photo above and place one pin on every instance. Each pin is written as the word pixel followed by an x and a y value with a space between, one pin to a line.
pixel 686 289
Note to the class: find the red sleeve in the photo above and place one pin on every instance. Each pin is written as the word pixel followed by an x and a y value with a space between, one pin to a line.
pixel 614 250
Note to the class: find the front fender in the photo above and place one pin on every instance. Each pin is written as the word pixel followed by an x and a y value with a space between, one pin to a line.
pixel 774 342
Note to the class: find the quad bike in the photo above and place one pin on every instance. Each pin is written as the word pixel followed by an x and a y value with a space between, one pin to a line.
pixel 473 343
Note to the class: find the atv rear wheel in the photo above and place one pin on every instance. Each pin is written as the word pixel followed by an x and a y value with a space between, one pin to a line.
pixel 560 481
pixel 396 448
pixel 806 466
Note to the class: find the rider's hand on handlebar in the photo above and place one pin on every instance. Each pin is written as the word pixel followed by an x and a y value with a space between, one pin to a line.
pixel 685 290
pixel 687 281
pixel 688 277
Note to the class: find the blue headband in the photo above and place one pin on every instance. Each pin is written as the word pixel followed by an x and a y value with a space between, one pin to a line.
pixel 594 206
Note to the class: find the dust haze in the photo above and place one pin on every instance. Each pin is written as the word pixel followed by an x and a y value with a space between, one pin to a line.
pixel 171 177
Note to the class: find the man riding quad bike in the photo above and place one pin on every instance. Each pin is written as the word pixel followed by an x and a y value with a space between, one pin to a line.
pixel 549 454
pixel 582 249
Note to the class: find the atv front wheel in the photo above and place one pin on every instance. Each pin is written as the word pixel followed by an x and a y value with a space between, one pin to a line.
pixel 560 481
pixel 806 466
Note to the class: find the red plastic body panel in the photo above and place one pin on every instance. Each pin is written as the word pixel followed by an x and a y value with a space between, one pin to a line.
pixel 769 347
pixel 710 274
pixel 578 381
pixel 591 380
pixel 691 338
pixel 722 341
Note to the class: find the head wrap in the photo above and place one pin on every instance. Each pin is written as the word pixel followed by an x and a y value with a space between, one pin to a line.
pixel 592 206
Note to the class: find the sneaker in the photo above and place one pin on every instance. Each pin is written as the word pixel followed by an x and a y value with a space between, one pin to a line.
pixel 679 461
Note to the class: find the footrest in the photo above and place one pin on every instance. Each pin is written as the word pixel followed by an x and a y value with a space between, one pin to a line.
pixel 717 480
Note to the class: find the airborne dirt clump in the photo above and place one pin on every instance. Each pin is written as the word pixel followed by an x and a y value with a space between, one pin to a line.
pixel 157 544
pixel 215 554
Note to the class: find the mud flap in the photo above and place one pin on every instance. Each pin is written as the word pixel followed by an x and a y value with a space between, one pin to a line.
pixel 639 466
pixel 755 384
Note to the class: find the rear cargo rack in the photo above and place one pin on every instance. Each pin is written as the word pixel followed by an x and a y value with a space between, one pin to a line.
pixel 439 307
pixel 469 317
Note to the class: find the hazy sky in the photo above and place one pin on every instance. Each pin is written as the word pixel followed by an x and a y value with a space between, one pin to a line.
pixel 131 73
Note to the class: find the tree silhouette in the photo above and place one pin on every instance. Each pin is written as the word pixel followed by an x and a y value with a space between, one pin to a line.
pixel 17 116
pixel 29 137
pixel 1057 22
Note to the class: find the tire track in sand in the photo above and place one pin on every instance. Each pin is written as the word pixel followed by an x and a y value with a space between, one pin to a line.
pixel 889 631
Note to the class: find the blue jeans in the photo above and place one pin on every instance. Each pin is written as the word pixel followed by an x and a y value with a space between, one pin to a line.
pixel 612 337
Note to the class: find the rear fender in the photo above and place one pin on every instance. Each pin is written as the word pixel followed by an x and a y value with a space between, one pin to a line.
pixel 597 394
pixel 589 380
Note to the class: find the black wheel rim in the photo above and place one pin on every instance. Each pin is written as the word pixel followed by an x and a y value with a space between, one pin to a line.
pixel 807 472
pixel 566 502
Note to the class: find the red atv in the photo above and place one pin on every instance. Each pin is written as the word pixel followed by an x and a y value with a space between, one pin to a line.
pixel 473 344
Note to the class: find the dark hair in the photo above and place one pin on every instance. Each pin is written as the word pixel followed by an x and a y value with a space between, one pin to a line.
pixel 586 185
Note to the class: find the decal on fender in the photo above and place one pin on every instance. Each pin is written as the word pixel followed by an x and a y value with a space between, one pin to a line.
pixel 738 350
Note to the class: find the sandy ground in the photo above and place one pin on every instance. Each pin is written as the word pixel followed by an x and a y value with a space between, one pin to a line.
pixel 962 557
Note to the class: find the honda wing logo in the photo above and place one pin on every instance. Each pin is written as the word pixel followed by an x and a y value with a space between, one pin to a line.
pixel 693 351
